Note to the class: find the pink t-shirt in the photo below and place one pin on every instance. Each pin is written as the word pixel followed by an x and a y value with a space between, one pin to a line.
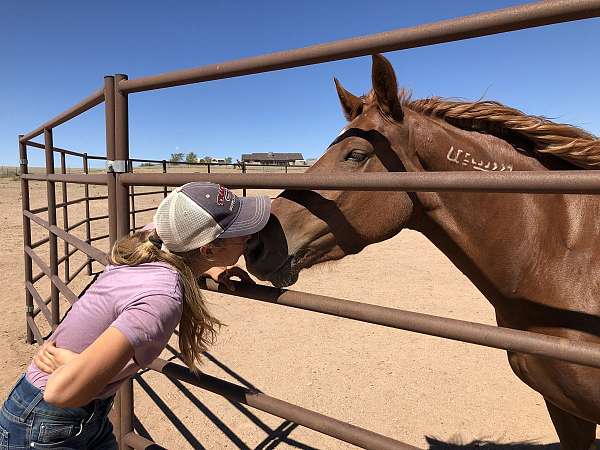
pixel 144 302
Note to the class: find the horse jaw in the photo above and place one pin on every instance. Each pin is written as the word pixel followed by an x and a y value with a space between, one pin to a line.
pixel 278 253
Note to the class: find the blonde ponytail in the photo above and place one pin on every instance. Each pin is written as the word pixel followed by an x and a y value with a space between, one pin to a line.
pixel 198 328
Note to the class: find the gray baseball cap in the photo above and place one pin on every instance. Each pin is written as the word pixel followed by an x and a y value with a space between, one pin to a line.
pixel 197 213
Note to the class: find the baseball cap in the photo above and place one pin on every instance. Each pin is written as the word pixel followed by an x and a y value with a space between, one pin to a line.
pixel 197 213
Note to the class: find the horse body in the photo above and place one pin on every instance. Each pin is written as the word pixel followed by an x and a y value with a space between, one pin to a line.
pixel 533 256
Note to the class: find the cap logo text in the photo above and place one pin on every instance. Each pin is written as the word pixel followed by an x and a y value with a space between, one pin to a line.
pixel 223 196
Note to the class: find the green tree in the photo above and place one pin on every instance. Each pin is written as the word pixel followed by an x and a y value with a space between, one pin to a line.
pixel 228 159
pixel 176 157
pixel 207 159
pixel 191 157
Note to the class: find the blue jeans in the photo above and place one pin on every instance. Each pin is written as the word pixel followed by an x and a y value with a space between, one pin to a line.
pixel 27 421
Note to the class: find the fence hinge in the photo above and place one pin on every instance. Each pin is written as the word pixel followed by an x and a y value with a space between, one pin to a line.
pixel 29 309
pixel 116 166
pixel 23 161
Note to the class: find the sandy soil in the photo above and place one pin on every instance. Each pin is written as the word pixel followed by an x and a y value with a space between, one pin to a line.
pixel 429 392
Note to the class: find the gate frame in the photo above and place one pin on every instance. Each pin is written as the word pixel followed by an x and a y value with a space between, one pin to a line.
pixel 119 181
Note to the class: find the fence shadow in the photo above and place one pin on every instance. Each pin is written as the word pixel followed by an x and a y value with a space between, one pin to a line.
pixel 489 444
pixel 274 436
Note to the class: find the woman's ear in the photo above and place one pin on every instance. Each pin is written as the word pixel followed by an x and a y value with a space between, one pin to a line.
pixel 207 251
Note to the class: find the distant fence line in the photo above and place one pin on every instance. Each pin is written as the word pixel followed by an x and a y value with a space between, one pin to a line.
pixel 9 171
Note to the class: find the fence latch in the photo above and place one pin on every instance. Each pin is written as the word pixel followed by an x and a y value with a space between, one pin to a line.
pixel 29 309
pixel 116 166
pixel 23 161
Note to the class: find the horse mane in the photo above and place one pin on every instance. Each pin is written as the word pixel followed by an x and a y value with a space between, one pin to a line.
pixel 523 131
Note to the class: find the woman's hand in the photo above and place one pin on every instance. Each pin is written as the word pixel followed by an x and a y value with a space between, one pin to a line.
pixel 224 275
pixel 49 358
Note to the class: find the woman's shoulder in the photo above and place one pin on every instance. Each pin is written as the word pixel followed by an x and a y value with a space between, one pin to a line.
pixel 158 277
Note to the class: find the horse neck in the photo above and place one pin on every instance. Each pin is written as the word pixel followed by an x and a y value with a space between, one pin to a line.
pixel 494 239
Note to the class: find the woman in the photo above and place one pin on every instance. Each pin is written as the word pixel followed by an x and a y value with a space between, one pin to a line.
pixel 126 318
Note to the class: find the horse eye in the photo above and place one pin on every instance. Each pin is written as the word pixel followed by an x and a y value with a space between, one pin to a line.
pixel 356 156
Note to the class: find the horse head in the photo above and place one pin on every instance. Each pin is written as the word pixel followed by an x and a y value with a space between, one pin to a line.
pixel 311 227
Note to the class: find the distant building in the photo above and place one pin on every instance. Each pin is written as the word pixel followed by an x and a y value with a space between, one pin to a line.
pixel 273 159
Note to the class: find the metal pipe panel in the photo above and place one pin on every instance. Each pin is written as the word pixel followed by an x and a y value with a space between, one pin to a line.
pixel 140 194
pixel 72 276
pixel 122 154
pixel 164 169
pixel 96 254
pixel 65 210
pixel 23 168
pixel 87 221
pixel 109 115
pixel 151 208
pixel 35 330
pixel 121 195
pixel 568 181
pixel 483 24
pixel 55 280
pixel 53 244
pixel 487 335
pixel 56 149
pixel 88 225
pixel 69 178
pixel 39 301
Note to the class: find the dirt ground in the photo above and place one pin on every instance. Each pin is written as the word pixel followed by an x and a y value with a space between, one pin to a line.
pixel 426 391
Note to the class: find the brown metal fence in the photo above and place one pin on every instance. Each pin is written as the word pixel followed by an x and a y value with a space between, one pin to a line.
pixel 121 182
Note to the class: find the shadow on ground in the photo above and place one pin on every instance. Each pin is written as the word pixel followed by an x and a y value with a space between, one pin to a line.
pixel 281 433
pixel 275 436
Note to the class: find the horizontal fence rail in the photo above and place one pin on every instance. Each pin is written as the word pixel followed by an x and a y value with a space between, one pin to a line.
pixel 62 150
pixel 70 202
pixel 56 281
pixel 68 178
pixel 310 419
pixel 86 248
pixel 569 181
pixel 487 335
pixel 484 24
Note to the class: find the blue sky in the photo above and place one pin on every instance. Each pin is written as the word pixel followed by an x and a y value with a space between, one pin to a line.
pixel 56 53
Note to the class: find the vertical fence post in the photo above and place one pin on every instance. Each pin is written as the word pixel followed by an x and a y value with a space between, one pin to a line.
pixel 208 167
pixel 51 194
pixel 26 238
pixel 164 165
pixel 122 196
pixel 109 105
pixel 88 224
pixel 244 171
pixel 65 199
pixel 132 194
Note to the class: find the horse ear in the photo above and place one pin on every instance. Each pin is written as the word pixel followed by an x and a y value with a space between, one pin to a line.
pixel 386 87
pixel 351 104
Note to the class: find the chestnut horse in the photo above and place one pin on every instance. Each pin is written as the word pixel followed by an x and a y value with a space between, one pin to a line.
pixel 536 258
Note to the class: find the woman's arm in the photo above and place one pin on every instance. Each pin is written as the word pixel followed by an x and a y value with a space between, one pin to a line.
pixel 85 376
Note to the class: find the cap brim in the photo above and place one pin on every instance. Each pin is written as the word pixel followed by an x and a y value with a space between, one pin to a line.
pixel 253 216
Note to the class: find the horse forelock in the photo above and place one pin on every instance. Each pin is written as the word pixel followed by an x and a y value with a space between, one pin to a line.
pixel 538 133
